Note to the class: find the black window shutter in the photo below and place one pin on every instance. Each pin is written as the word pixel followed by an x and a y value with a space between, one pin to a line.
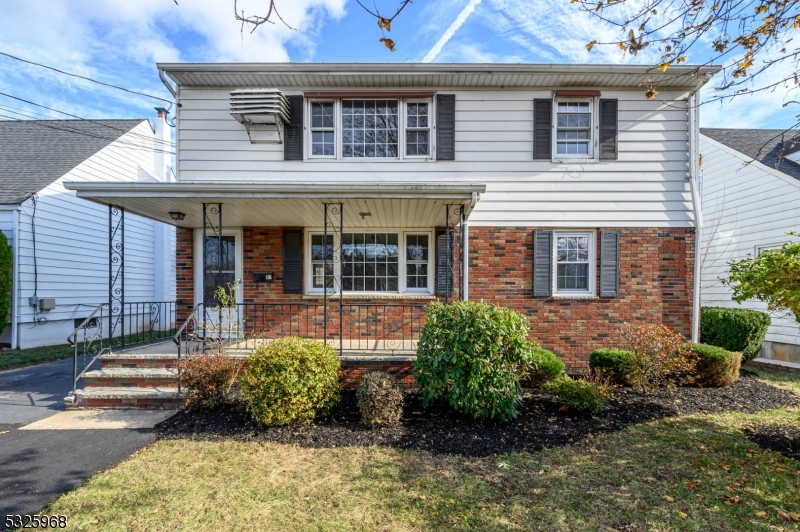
pixel 608 130
pixel 444 261
pixel 542 263
pixel 292 261
pixel 609 263
pixel 293 131
pixel 445 127
pixel 542 128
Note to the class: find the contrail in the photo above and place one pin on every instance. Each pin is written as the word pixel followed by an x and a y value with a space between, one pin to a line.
pixel 457 23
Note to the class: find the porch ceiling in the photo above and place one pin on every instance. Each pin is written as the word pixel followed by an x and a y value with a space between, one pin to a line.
pixel 401 205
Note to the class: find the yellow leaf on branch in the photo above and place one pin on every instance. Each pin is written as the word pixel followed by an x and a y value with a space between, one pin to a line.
pixel 385 24
pixel 590 46
pixel 664 66
pixel 388 43
pixel 622 46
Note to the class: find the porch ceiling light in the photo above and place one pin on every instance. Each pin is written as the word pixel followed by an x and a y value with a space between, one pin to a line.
pixel 364 214
pixel 177 215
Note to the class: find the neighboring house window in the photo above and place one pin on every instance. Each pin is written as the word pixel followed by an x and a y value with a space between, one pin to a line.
pixel 323 129
pixel 574 262
pixel 762 249
pixel 573 128
pixel 417 129
pixel 373 262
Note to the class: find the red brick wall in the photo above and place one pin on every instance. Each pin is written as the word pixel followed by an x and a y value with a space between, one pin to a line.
pixel 656 285
pixel 656 280
pixel 184 273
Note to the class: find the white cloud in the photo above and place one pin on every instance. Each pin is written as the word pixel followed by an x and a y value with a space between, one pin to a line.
pixel 451 30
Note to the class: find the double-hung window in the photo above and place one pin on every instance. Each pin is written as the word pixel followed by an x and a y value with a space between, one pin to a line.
pixel 372 261
pixel 417 129
pixel 574 263
pixel 573 128
pixel 370 129
pixel 323 129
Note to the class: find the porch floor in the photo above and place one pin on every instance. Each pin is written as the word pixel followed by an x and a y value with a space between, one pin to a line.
pixel 362 350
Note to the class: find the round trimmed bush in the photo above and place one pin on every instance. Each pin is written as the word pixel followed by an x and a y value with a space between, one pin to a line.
pixel 576 394
pixel 546 367
pixel 470 354
pixel 614 363
pixel 290 380
pixel 5 279
pixel 716 367
pixel 734 329
pixel 380 399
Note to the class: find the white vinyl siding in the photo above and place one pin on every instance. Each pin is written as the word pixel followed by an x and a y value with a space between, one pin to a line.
pixel 746 207
pixel 72 244
pixel 645 187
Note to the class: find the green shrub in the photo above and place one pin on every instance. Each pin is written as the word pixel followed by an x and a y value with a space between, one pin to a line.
pixel 716 367
pixel 5 280
pixel 290 380
pixel 208 378
pixel 545 366
pixel 470 355
pixel 380 399
pixel 617 364
pixel 734 329
pixel 576 394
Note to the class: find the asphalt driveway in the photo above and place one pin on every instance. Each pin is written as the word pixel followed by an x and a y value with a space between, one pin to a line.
pixel 37 466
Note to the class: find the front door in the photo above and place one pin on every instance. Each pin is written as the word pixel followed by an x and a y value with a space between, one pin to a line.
pixel 219 268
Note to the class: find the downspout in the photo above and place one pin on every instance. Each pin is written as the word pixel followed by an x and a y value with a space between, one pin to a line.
pixel 694 176
pixel 15 284
pixel 166 84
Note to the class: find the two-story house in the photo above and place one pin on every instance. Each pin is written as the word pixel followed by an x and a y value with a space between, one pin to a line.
pixel 346 196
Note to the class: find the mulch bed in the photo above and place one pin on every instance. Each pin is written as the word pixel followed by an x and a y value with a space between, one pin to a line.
pixel 438 429
pixel 785 440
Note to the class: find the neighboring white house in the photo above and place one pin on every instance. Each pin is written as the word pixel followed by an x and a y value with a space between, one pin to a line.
pixel 60 243
pixel 751 199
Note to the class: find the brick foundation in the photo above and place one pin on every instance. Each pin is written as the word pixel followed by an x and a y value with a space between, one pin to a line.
pixel 656 285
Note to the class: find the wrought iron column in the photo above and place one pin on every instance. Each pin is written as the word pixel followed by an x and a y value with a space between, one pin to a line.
pixel 116 275
pixel 454 218
pixel 464 257
pixel 332 209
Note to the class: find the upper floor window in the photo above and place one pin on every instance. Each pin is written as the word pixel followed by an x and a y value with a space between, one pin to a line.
pixel 323 129
pixel 417 129
pixel 370 128
pixel 573 128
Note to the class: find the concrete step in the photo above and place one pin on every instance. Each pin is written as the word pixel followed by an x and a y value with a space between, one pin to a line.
pixel 113 397
pixel 131 377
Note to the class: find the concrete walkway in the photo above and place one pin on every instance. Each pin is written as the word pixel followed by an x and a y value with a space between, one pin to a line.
pixel 57 451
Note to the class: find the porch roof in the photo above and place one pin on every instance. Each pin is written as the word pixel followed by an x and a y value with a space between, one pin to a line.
pixel 281 204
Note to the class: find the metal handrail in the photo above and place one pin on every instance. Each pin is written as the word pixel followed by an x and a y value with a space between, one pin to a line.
pixel 72 338
pixel 177 337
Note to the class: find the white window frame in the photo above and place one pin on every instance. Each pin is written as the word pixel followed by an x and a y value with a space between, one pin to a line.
pixel 759 249
pixel 594 131
pixel 311 130
pixel 591 290
pixel 429 129
pixel 401 263
pixel 401 130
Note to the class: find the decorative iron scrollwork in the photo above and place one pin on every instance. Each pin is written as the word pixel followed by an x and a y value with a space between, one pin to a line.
pixel 334 212
pixel 116 276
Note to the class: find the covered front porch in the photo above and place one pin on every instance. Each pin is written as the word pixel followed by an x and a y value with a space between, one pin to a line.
pixel 350 264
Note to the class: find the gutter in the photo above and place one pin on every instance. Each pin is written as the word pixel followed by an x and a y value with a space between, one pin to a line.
pixel 166 83
pixel 694 176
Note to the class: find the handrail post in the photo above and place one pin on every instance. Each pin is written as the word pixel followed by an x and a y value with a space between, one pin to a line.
pixel 74 366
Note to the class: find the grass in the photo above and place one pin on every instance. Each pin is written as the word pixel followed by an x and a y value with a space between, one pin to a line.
pixel 788 380
pixel 687 473
pixel 34 355
pixel 38 355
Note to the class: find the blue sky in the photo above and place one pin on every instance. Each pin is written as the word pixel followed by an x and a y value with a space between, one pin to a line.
pixel 119 41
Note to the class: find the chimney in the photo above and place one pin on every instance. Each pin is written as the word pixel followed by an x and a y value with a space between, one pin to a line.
pixel 162 146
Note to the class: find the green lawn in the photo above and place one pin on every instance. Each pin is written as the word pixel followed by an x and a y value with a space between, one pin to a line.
pixel 688 473
pixel 34 355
